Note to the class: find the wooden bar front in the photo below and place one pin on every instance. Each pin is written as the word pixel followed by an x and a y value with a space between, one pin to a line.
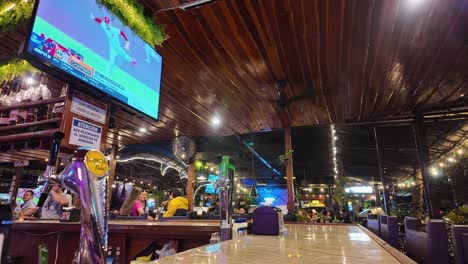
pixel 131 236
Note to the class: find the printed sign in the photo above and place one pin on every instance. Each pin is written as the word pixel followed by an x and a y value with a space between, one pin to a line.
pixel 96 163
pixel 85 134
pixel 88 107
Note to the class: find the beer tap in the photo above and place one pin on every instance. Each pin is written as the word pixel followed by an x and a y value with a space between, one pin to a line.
pixel 50 169
pixel 223 185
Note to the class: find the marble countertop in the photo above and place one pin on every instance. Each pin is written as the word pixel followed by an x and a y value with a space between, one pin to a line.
pixel 303 244
pixel 132 222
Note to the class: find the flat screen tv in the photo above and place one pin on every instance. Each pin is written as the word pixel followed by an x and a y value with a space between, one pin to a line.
pixel 86 41
pixel 210 187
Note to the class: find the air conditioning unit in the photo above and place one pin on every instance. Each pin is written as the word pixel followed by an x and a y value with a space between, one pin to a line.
pixel 195 4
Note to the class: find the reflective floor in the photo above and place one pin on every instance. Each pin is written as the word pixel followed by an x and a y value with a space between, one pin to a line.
pixel 303 244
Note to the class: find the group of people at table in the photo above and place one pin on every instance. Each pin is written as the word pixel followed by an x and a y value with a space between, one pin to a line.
pixel 134 205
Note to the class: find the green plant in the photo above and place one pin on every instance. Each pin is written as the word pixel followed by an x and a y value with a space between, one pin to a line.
pixel 132 14
pixel 284 157
pixel 339 193
pixel 12 68
pixel 14 14
pixel 458 216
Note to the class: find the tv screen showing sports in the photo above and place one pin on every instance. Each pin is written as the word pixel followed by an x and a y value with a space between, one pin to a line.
pixel 210 187
pixel 91 44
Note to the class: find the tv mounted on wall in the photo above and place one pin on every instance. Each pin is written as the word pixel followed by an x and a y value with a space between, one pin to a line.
pixel 89 43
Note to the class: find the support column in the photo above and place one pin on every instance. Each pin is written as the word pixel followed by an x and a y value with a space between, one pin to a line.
pixel 189 187
pixel 378 146
pixel 110 178
pixel 330 198
pixel 377 196
pixel 289 169
pixel 432 202
pixel 15 182
pixel 418 194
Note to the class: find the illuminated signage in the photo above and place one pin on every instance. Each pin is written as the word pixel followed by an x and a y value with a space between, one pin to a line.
pixel 359 189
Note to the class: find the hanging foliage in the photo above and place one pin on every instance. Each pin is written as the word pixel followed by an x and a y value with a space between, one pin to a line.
pixel 14 14
pixel 132 14
pixel 13 68
pixel 339 193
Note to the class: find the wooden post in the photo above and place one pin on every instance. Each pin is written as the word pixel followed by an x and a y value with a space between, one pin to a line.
pixel 110 178
pixel 378 146
pixel 189 188
pixel 432 201
pixel 289 169
pixel 15 182
pixel 418 194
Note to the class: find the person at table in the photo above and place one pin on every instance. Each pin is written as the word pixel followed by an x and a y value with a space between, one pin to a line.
pixel 177 205
pixel 214 208
pixel 57 199
pixel 134 204
pixel 28 208
pixel 345 217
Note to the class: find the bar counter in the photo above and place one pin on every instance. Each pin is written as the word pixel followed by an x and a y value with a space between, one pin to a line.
pixel 303 244
pixel 131 236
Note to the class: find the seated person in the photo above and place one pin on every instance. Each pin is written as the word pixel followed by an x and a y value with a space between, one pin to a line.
pixel 177 205
pixel 314 217
pixel 57 199
pixel 134 204
pixel 214 208
pixel 345 217
pixel 28 208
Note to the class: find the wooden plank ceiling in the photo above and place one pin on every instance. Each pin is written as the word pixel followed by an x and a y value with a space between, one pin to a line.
pixel 338 61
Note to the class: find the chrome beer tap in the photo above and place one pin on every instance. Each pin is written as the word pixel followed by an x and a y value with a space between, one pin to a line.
pixel 50 169
pixel 223 185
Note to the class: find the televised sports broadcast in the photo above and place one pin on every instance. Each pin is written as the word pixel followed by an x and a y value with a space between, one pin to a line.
pixel 91 44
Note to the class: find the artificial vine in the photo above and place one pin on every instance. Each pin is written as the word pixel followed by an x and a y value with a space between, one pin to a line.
pixel 132 14
pixel 14 14
pixel 339 193
pixel 12 68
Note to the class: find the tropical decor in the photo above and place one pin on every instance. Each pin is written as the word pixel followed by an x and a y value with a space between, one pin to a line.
pixel 132 14
pixel 339 193
pixel 15 67
pixel 16 13
pixel 458 216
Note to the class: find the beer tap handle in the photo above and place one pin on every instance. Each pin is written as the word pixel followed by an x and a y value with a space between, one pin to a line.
pixel 50 170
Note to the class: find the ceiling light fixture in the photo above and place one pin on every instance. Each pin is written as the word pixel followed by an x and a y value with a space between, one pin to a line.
pixel 216 121
pixel 143 130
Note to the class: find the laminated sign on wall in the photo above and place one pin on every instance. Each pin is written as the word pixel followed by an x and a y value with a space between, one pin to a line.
pixel 85 134
pixel 88 107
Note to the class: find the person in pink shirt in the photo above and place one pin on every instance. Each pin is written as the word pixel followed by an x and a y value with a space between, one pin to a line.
pixel 135 202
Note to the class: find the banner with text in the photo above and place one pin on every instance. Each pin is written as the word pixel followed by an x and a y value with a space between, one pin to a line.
pixel 85 134
pixel 88 107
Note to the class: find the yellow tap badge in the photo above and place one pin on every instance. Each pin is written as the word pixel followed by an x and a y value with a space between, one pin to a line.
pixel 96 163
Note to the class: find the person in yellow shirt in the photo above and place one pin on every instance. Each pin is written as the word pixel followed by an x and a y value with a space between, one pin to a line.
pixel 177 206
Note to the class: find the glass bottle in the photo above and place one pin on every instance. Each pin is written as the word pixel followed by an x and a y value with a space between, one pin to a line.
pixel 13 116
pixel 117 256
pixel 4 101
pixel 57 110
pixel 23 97
pixel 43 111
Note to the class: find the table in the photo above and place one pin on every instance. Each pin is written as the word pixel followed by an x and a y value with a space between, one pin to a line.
pixel 303 244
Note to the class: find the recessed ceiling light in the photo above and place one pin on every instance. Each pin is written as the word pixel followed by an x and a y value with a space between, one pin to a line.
pixel 30 80
pixel 462 95
pixel 216 121
pixel 142 130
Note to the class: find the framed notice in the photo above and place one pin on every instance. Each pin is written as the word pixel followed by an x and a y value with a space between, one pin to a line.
pixel 85 134
pixel 88 107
